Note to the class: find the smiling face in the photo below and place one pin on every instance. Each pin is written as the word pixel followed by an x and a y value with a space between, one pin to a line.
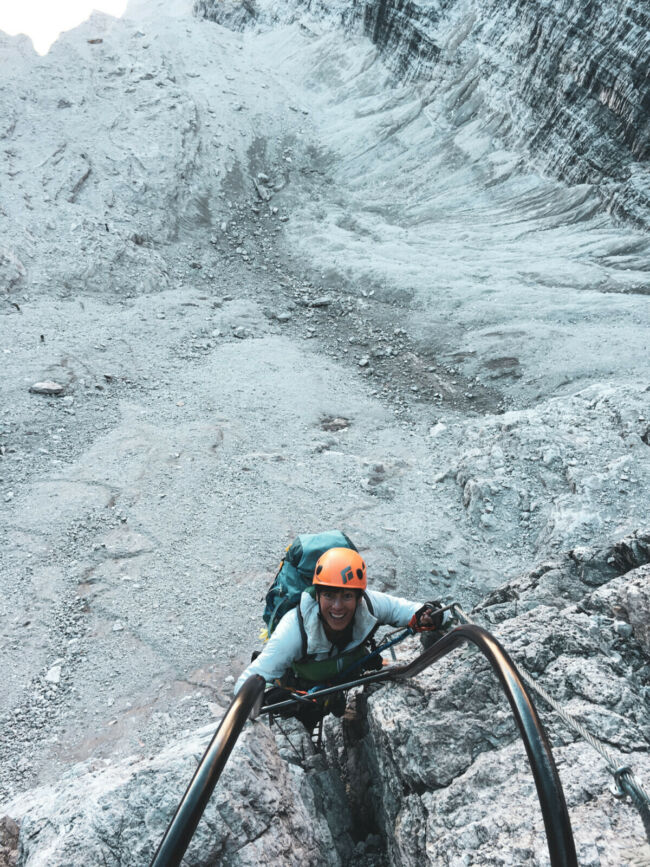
pixel 337 607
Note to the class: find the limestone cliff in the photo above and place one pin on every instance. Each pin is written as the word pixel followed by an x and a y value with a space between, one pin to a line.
pixel 439 760
pixel 564 81
pixel 433 769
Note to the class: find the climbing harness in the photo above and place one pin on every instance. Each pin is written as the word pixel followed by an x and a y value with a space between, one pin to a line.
pixel 625 783
pixel 363 662
pixel 318 695
pixel 340 682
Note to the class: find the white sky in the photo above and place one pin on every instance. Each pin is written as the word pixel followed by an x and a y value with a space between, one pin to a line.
pixel 44 20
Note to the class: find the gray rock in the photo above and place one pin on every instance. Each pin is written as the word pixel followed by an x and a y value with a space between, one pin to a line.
pixel 634 599
pixel 54 674
pixel 261 811
pixel 450 781
pixel 9 833
pixel 262 192
pixel 47 387
pixel 628 598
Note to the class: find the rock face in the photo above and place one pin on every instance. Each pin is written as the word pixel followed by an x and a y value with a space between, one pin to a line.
pixel 581 68
pixel 535 476
pixel 449 779
pixel 433 769
pixel 385 176
pixel 261 812
pixel 567 81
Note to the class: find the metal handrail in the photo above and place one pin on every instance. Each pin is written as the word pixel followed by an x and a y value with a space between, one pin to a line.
pixel 188 813
pixel 559 835
pixel 547 781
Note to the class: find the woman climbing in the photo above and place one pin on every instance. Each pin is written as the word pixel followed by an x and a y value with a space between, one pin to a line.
pixel 331 629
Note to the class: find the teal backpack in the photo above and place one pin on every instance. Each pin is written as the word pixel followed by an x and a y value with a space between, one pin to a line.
pixel 297 571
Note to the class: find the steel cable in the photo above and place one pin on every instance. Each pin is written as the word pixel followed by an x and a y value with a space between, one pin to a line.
pixel 625 781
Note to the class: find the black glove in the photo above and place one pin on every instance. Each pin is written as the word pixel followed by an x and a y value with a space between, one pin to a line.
pixel 426 618
pixel 276 694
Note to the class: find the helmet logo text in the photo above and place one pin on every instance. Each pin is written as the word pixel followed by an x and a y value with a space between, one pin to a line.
pixel 346 574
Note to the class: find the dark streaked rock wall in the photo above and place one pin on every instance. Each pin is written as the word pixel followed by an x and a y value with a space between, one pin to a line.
pixel 570 79
pixel 573 76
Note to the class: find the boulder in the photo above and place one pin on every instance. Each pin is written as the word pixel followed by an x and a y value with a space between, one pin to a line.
pixel 262 811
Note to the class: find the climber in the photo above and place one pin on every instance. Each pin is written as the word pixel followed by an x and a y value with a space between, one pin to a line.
pixel 330 629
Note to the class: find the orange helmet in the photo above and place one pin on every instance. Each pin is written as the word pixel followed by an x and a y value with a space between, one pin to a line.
pixel 341 567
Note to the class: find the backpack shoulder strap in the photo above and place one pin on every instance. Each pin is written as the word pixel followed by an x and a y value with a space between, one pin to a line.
pixel 303 632
pixel 369 603
pixel 370 637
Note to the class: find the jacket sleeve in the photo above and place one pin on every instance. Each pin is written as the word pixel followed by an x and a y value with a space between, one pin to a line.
pixel 392 610
pixel 282 648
